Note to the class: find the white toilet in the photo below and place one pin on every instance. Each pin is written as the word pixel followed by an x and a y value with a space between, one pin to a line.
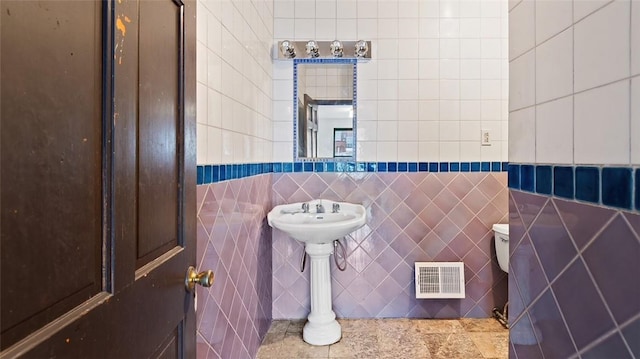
pixel 521 334
pixel 501 236
pixel 501 232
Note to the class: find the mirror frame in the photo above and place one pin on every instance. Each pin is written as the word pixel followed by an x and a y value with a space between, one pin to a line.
pixel 338 61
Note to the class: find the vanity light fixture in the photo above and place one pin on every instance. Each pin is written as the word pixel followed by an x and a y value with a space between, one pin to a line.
pixel 287 49
pixel 312 48
pixel 361 48
pixel 336 48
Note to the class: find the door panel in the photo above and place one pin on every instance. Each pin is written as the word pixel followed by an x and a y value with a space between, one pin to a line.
pixel 160 46
pixel 170 347
pixel 131 324
pixel 53 235
pixel 98 159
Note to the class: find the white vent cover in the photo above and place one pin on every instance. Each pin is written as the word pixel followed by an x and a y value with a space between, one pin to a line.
pixel 440 280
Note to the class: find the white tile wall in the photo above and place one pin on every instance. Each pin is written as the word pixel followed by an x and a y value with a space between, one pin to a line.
pixel 282 110
pixel 551 18
pixel 234 74
pixel 554 67
pixel 635 120
pixel 554 131
pixel 438 75
pixel 572 83
pixel 521 28
pixel 513 3
pixel 387 151
pixel 522 81
pixel 635 37
pixel 522 135
pixel 602 124
pixel 582 8
pixel 602 46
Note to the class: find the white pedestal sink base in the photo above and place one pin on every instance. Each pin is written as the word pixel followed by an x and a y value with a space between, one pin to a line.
pixel 322 327
pixel 322 334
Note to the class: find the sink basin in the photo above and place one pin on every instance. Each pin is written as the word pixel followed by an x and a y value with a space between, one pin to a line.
pixel 314 227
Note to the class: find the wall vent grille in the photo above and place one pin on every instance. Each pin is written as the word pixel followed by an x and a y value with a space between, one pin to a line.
pixel 440 280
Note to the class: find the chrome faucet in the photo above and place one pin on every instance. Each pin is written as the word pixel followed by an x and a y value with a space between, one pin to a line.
pixel 336 208
pixel 319 207
pixel 304 209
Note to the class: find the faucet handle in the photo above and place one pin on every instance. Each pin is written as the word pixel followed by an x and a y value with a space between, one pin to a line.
pixel 336 208
pixel 305 207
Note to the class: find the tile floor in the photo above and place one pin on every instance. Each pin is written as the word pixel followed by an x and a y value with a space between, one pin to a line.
pixel 393 338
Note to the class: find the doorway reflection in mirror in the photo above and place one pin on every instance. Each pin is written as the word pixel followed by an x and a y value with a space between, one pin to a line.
pixel 343 142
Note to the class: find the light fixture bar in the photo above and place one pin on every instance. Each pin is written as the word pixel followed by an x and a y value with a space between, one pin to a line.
pixel 360 49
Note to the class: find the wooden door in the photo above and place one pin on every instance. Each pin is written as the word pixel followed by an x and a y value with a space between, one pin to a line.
pixel 97 149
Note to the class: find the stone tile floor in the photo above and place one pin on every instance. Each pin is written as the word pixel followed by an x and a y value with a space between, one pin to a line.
pixel 393 338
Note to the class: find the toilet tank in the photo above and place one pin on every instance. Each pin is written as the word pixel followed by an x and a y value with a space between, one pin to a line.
pixel 501 232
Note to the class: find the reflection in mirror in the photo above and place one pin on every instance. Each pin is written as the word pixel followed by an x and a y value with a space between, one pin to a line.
pixel 343 142
pixel 325 113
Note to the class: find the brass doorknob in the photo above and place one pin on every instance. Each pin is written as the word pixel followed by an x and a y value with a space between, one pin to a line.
pixel 205 279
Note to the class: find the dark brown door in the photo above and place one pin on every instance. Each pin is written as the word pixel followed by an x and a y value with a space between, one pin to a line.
pixel 97 149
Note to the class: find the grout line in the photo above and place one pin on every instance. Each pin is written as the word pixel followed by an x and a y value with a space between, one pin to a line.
pixel 591 13
pixel 573 91
pixel 535 91
pixel 634 178
pixel 559 309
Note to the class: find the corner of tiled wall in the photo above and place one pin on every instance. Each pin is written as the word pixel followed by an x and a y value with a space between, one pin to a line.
pixel 234 241
pixel 234 126
pixel 574 221
pixel 234 74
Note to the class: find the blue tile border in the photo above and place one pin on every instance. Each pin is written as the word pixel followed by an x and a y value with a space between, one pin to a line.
pixel 543 179
pixel 588 184
pixel 617 187
pixel 612 186
pixel 217 173
pixel 528 178
pixel 206 174
pixel 563 182
pixel 637 181
pixel 514 176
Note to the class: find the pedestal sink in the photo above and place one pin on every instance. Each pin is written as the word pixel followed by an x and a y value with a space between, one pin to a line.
pixel 317 224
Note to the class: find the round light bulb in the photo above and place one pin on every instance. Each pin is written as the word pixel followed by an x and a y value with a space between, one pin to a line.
pixel 361 48
pixel 312 48
pixel 336 48
pixel 287 49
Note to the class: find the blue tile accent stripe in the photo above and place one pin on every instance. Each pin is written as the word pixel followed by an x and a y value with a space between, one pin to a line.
pixel 527 178
pixel 543 182
pixel 588 184
pixel 612 186
pixel 637 181
pixel 217 173
pixel 617 187
pixel 563 183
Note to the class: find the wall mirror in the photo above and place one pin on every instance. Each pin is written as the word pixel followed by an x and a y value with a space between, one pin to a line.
pixel 324 124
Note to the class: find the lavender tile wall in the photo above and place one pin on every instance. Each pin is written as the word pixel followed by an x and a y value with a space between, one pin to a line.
pixel 573 283
pixel 413 217
pixel 234 241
